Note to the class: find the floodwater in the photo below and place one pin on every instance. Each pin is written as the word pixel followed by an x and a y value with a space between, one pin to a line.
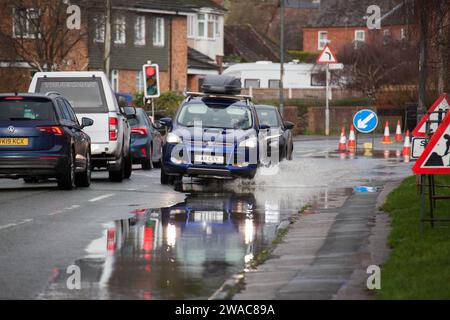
pixel 188 250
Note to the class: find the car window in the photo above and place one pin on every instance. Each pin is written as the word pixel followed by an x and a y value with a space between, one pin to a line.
pixel 85 95
pixel 268 117
pixel 64 113
pixel 216 115
pixel 26 109
pixel 69 109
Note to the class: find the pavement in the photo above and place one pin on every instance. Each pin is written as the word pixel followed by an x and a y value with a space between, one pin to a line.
pixel 141 240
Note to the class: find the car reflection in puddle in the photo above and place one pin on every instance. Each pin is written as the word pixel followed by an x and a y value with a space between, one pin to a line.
pixel 185 251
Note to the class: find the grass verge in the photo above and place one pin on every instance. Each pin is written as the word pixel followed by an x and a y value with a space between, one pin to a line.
pixel 419 264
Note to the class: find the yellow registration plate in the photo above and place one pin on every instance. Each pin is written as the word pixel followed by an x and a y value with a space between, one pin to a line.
pixel 13 142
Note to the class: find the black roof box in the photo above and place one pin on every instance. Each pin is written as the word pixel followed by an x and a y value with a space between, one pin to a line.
pixel 221 84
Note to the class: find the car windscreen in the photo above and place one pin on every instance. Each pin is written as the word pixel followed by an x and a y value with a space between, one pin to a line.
pixel 85 95
pixel 216 115
pixel 268 117
pixel 25 109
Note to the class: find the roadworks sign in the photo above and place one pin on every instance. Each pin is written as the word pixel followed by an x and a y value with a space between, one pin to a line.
pixel 435 159
pixel 442 103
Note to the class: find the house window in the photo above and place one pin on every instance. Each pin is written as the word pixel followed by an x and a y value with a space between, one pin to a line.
pixel 360 35
pixel 252 83
pixel 139 31
pixel 139 81
pixel 201 25
pixel 158 32
pixel 211 25
pixel 402 34
pixel 99 32
pixel 115 80
pixel 217 28
pixel 191 26
pixel 120 30
pixel 323 39
pixel 25 22
pixel 274 84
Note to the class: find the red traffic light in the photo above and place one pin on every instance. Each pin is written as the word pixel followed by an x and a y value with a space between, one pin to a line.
pixel 150 71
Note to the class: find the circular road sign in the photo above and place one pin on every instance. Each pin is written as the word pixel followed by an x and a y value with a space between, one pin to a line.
pixel 365 121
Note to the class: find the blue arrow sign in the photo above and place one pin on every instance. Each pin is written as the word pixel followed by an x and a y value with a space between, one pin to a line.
pixel 365 121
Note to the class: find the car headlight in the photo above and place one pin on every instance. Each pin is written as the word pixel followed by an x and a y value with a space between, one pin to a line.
pixel 251 142
pixel 173 138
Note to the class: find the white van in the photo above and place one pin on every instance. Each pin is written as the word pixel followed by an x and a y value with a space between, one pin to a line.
pixel 91 95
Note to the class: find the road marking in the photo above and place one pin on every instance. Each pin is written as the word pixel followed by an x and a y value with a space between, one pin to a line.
pixel 73 207
pixel 102 197
pixel 7 226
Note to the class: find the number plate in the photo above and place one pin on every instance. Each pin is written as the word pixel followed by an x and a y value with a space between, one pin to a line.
pixel 13 142
pixel 209 159
pixel 208 216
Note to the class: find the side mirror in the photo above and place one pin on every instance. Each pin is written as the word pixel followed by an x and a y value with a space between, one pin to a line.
pixel 264 127
pixel 289 125
pixel 129 112
pixel 166 122
pixel 86 122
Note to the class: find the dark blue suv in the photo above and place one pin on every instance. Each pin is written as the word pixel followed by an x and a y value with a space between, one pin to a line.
pixel 40 137
pixel 213 135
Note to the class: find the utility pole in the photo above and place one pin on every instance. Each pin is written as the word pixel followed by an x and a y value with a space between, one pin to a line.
pixel 108 39
pixel 282 5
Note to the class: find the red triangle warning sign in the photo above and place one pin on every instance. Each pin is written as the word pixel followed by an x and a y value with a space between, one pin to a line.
pixel 326 56
pixel 443 103
pixel 436 157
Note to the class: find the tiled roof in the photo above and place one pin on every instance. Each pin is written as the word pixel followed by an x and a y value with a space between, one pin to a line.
pixel 178 5
pixel 351 13
pixel 244 41
pixel 197 60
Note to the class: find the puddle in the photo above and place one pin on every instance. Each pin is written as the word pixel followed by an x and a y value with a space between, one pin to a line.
pixel 185 251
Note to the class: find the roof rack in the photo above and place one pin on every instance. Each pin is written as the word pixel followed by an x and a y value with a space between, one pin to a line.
pixel 52 93
pixel 189 95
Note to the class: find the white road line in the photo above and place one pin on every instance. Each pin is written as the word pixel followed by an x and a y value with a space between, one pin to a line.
pixel 7 226
pixel 102 197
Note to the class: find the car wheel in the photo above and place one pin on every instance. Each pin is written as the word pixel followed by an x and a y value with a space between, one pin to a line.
pixel 291 153
pixel 128 167
pixel 66 179
pixel 157 164
pixel 118 175
pixel 83 180
pixel 147 164
pixel 165 178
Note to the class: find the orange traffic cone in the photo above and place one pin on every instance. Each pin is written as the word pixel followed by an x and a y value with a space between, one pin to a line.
pixel 407 146
pixel 352 138
pixel 398 133
pixel 343 141
pixel 386 137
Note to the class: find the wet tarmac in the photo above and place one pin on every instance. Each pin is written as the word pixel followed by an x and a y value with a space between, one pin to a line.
pixel 187 250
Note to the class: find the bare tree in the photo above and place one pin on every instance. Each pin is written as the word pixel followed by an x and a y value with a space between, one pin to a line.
pixel 381 63
pixel 38 33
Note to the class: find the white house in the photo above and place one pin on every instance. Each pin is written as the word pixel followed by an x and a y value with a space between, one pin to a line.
pixel 206 30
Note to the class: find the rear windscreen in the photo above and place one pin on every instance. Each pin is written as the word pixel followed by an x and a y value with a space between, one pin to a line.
pixel 26 109
pixel 85 95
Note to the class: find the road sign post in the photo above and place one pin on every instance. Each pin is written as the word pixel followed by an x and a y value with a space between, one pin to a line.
pixel 327 57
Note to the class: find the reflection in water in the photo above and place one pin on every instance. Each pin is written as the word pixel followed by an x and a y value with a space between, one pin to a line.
pixel 185 251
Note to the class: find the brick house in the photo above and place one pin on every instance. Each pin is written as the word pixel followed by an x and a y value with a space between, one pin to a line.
pixel 344 22
pixel 142 31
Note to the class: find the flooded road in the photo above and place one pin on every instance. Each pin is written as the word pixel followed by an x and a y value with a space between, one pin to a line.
pixel 185 251
pixel 141 240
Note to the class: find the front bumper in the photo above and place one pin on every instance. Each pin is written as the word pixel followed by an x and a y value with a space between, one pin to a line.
pixel 228 170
